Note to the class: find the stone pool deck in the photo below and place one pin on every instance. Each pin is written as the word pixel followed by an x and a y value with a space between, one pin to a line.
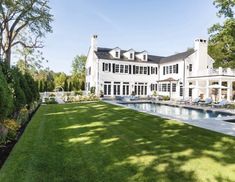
pixel 214 124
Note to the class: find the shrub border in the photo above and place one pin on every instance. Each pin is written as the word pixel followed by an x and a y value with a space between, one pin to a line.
pixel 6 150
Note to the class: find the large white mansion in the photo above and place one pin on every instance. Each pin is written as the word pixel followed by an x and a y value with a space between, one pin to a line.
pixel 190 74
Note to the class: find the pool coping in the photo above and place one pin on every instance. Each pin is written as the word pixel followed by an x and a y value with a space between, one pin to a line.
pixel 221 126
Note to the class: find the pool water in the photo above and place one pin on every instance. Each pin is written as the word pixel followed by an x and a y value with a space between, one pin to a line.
pixel 177 112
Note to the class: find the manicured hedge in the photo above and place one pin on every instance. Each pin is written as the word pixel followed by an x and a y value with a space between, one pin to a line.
pixel 18 100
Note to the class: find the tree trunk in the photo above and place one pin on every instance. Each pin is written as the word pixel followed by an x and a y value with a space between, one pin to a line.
pixel 8 56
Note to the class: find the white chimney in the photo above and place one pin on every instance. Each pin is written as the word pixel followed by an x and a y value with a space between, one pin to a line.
pixel 94 42
pixel 201 47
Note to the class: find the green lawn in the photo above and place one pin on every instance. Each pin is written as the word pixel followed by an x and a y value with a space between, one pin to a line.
pixel 102 142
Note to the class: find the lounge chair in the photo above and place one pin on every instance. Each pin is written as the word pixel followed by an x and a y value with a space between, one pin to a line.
pixel 184 101
pixel 196 101
pixel 207 102
pixel 222 103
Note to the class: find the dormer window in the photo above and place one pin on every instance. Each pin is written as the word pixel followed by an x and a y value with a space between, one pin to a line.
pixel 144 57
pixel 116 54
pixel 131 55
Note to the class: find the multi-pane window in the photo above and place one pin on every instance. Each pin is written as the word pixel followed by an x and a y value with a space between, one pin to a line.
pixel 107 88
pixel 152 70
pixel 117 68
pixel 125 88
pixel 164 87
pixel 181 90
pixel 116 88
pixel 141 70
pixel 173 87
pixel 174 68
pixel 140 88
pixel 170 69
pixel 121 68
pixel 106 67
pixel 126 68
pixel 145 70
pixel 137 70
pixel 144 57
pixel 116 54
pixel 160 87
pixel 88 71
pixel 190 67
pixel 190 92
pixel 131 55
pixel 153 87
pixel 168 87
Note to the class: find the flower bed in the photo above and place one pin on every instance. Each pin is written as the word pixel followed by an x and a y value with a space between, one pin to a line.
pixel 12 129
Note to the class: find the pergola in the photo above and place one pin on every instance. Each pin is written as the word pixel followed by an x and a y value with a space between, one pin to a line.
pixel 205 84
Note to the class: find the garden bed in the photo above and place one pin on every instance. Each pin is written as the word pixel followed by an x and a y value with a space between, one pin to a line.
pixel 6 149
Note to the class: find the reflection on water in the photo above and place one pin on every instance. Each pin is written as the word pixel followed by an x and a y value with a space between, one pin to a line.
pixel 178 112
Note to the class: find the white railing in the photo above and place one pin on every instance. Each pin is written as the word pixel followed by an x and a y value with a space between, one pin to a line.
pixel 218 71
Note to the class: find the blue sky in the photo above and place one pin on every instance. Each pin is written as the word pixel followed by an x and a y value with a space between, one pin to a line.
pixel 162 27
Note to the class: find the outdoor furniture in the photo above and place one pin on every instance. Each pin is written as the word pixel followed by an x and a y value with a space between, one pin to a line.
pixel 207 102
pixel 118 97
pixel 184 101
pixel 196 101
pixel 222 103
pixel 132 98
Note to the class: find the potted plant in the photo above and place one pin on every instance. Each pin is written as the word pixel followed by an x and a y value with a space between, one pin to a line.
pixel 101 93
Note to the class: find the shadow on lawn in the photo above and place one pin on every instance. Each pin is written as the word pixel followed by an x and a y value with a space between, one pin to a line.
pixel 116 144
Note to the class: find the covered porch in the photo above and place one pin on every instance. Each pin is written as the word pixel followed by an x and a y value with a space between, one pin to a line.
pixel 217 88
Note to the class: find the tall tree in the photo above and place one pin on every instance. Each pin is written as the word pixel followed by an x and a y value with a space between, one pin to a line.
pixel 60 80
pixel 23 23
pixel 222 36
pixel 78 64
pixel 226 7
pixel 78 72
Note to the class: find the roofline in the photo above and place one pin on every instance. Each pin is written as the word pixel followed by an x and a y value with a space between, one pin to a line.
pixel 133 61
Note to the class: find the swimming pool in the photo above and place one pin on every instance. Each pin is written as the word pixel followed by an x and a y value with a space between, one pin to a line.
pixel 177 112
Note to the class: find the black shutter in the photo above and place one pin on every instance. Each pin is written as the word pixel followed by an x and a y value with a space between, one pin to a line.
pixel 103 66
pixel 148 70
pixel 113 68
pixel 109 67
pixel 156 71
pixel 133 69
pixel 129 69
pixel 177 68
pixel 163 70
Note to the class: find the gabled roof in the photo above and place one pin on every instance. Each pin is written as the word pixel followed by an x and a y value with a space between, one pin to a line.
pixel 103 53
pixel 178 56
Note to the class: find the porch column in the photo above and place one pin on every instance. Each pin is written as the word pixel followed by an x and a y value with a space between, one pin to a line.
pixel 197 89
pixel 148 89
pixel 207 88
pixel 229 90
pixel 121 88
pixel 220 83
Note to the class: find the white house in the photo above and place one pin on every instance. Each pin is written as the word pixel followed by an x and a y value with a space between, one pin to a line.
pixel 117 72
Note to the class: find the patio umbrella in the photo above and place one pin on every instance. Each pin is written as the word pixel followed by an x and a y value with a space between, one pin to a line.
pixel 217 86
pixel 193 86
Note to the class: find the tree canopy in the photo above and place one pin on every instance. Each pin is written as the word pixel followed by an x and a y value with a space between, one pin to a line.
pixel 222 36
pixel 23 23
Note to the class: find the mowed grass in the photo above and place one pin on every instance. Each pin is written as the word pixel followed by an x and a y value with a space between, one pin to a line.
pixel 102 142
